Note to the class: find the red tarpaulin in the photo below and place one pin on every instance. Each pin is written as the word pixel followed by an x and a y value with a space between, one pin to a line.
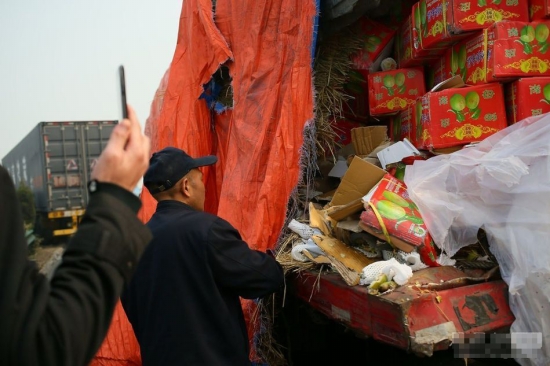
pixel 267 48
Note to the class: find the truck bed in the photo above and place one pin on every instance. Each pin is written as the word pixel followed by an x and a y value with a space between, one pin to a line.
pixel 410 318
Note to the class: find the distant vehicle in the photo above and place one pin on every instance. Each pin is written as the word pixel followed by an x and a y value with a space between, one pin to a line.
pixel 55 160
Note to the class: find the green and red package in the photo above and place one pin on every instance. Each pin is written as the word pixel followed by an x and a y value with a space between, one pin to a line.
pixel 390 210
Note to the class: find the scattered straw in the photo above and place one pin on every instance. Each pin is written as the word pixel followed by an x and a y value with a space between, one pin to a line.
pixel 331 68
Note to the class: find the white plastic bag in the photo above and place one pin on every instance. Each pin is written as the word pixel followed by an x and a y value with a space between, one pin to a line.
pixel 394 270
pixel 503 186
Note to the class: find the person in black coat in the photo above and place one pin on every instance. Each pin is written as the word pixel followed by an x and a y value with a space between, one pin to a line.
pixel 63 322
pixel 184 300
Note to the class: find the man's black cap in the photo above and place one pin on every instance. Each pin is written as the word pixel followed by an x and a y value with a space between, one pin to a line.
pixel 169 165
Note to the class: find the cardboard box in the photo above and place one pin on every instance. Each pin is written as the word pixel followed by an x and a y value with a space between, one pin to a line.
pixel 443 22
pixel 366 139
pixel 456 115
pixel 400 126
pixel 343 127
pixel 527 97
pixel 408 52
pixel 377 37
pixel 539 9
pixel 436 71
pixel 358 180
pixel 393 91
pixel 389 209
pixel 504 52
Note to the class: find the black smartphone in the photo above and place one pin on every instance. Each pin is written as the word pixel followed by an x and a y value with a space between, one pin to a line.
pixel 123 92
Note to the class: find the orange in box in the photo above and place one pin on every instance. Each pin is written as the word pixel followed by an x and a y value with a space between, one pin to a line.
pixel 506 51
pixel 539 9
pixel 443 22
pixel 459 116
pixel 376 37
pixel 527 97
pixel 393 91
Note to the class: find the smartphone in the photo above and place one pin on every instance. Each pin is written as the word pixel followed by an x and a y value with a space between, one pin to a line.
pixel 123 92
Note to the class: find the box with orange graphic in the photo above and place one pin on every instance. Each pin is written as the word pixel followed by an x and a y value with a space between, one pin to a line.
pixel 459 115
pixel 443 22
pixel 527 97
pixel 393 91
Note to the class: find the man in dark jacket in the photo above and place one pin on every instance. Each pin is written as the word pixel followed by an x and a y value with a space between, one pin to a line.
pixel 63 322
pixel 184 300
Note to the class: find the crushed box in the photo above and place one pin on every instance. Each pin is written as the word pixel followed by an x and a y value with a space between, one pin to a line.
pixel 357 181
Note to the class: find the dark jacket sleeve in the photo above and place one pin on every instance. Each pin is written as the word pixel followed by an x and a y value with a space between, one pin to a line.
pixel 249 273
pixel 63 322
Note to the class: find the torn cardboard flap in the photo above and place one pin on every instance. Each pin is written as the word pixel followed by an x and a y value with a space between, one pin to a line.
pixel 347 261
pixel 453 82
pixel 358 180
pixel 317 219
pixel 316 258
pixel 366 139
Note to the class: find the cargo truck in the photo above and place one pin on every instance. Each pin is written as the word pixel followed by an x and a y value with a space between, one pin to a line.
pixel 55 160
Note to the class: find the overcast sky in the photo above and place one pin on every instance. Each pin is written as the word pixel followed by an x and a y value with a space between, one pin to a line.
pixel 59 59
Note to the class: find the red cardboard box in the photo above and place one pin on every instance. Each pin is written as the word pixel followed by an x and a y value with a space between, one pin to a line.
pixel 437 71
pixel 376 38
pixel 539 9
pixel 402 125
pixel 506 51
pixel 390 210
pixel 357 107
pixel 459 115
pixel 343 128
pixel 407 49
pixel 527 97
pixel 443 22
pixel 393 91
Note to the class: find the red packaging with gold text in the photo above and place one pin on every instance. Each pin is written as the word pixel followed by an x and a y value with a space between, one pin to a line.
pixel 393 91
pixel 443 22
pixel 402 126
pixel 539 9
pixel 459 116
pixel 504 52
pixel 407 47
pixel 527 97
pixel 376 37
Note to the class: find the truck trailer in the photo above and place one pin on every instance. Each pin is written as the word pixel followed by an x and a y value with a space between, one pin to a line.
pixel 55 160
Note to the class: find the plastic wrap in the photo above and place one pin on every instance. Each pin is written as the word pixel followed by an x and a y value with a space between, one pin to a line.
pixel 503 186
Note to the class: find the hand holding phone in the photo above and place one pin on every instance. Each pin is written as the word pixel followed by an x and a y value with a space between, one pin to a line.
pixel 123 92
